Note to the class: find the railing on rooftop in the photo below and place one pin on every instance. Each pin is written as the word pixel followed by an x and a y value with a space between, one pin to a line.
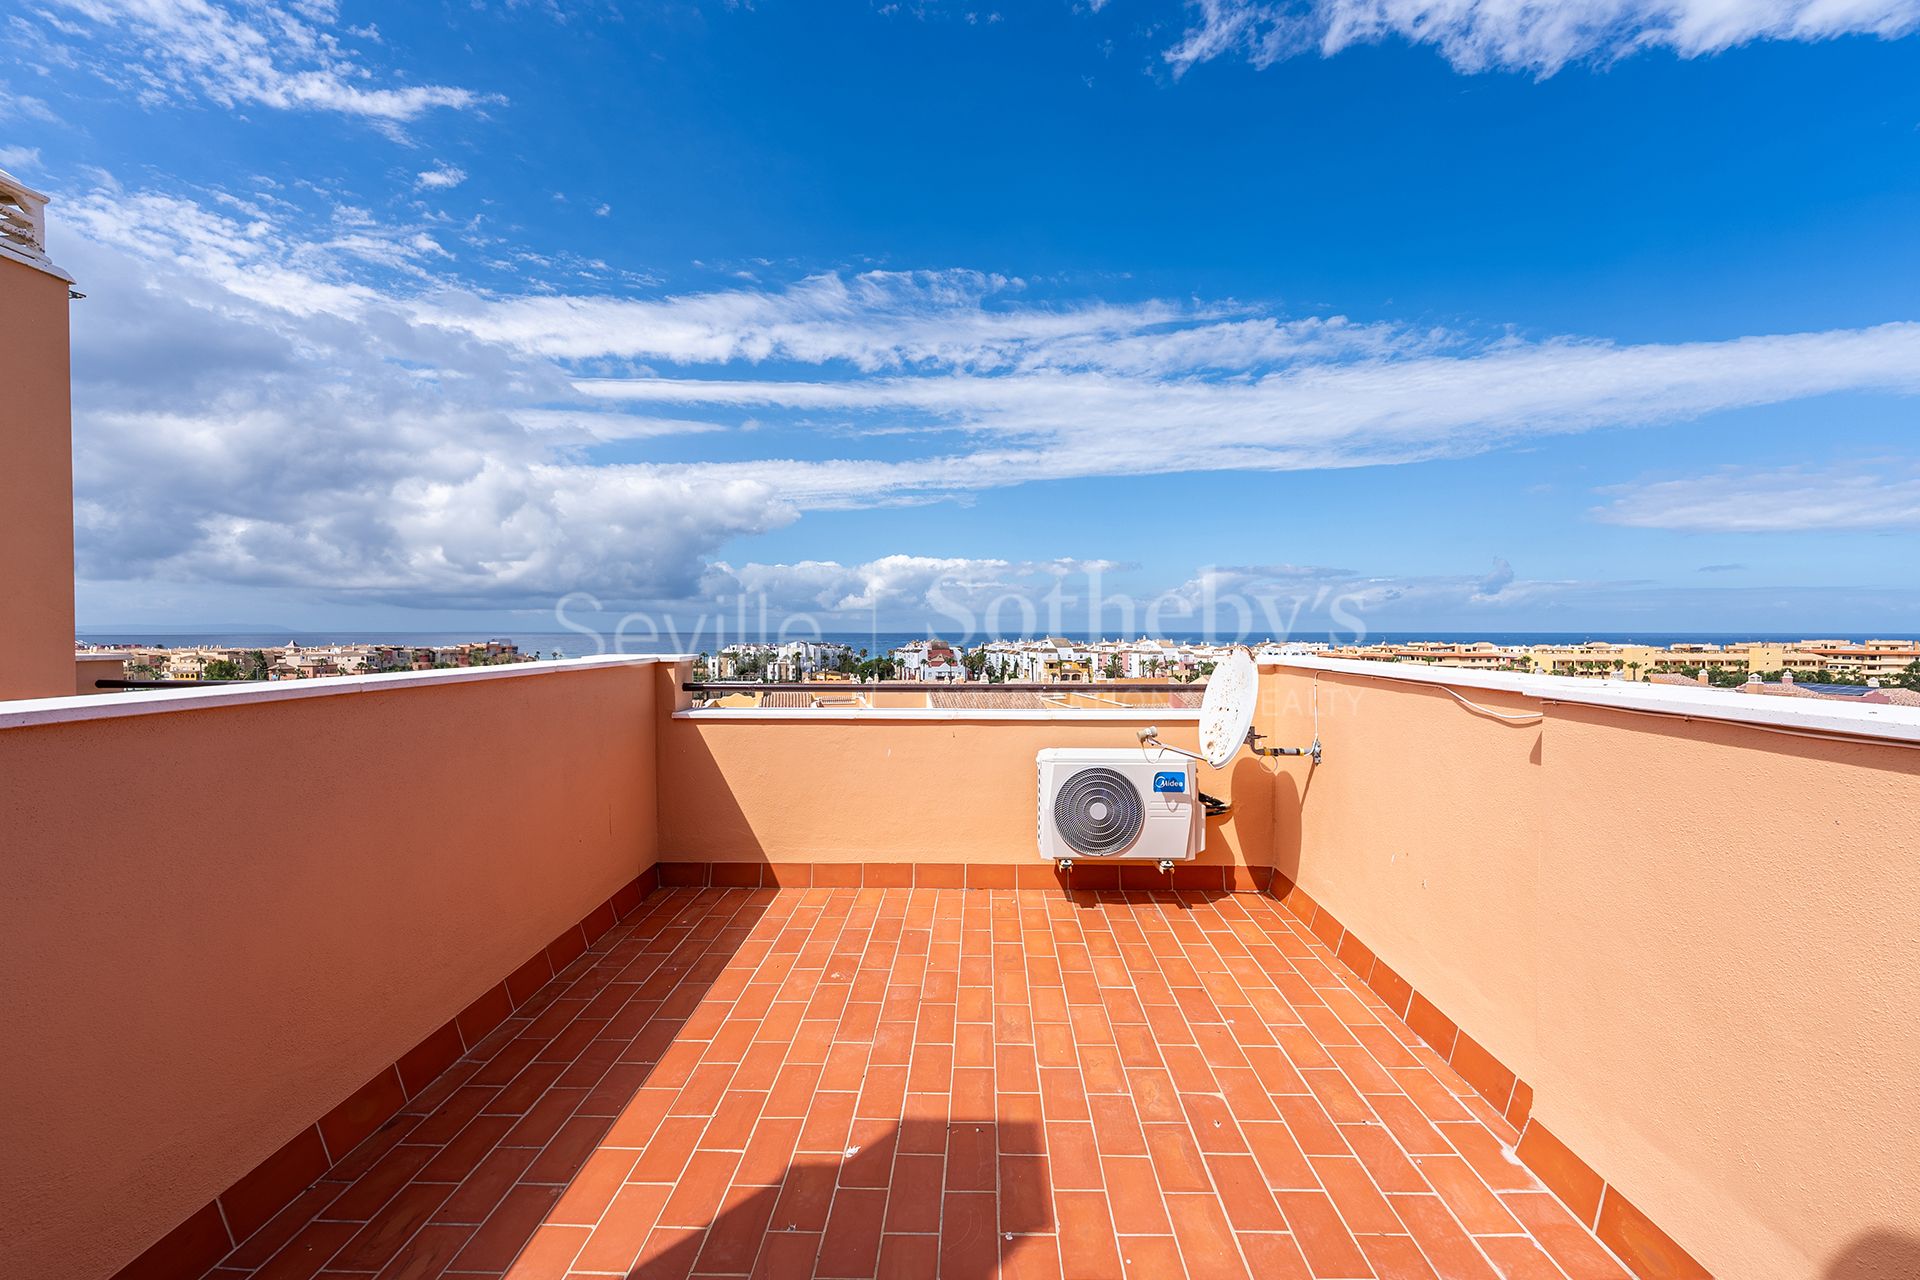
pixel 23 220
pixel 721 687
pixel 166 684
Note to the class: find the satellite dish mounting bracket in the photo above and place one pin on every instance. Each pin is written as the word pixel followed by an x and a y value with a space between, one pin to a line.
pixel 1150 736
pixel 1254 737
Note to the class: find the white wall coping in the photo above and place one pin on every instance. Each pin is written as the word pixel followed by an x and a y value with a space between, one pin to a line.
pixel 1799 715
pixel 25 712
pixel 1100 715
pixel 25 259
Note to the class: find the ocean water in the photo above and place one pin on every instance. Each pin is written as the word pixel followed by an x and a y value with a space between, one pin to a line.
pixel 572 644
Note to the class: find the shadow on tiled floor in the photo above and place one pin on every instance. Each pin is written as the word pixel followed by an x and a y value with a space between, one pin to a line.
pixel 903 1083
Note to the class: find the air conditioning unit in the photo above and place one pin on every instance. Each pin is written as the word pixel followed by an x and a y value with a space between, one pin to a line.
pixel 1127 803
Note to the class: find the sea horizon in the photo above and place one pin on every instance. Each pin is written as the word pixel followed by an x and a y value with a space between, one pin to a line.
pixel 575 644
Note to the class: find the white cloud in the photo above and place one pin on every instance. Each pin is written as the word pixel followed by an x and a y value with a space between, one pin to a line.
pixel 283 54
pixel 1309 413
pixel 1880 498
pixel 323 402
pixel 1541 36
pixel 19 157
pixel 873 321
pixel 913 582
pixel 440 178
pixel 24 106
pixel 248 412
pixel 966 598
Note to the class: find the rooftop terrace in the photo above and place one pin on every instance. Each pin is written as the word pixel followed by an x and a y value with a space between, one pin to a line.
pixel 539 970
pixel 899 1082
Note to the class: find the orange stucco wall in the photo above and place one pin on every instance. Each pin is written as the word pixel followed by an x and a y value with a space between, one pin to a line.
pixel 36 487
pixel 1697 941
pixel 751 789
pixel 238 915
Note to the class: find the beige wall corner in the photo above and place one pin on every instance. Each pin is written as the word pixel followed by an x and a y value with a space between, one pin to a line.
pixel 36 485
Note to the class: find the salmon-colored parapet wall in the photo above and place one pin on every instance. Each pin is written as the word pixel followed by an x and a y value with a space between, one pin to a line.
pixel 1694 939
pixel 36 486
pixel 223 921
pixel 747 788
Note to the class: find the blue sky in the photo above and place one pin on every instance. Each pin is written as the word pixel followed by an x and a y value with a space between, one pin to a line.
pixel 1473 317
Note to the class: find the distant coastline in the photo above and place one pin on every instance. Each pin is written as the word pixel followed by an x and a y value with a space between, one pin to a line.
pixel 572 644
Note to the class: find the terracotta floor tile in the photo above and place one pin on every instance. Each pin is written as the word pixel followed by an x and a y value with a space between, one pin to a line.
pixel 1519 1258
pixel 1134 1194
pixel 972 1157
pixel 1177 1161
pixel 669 1253
pixel 1274 1257
pixel 733 1121
pixel 1116 1126
pixel 829 1120
pixel 1355 1194
pixel 1151 1258
pixel 426 1256
pixel 669 1149
pixel 309 1251
pixel 1316 1134
pixel 1396 1257
pixel 1446 1245
pixel 486 1186
pixel 907 1257
pixel 785 1255
pixel 548 1254
pixel 507 1229
pixel 1328 1246
pixel 1478 1209
pixel 698 1189
pixel 363 1198
pixel 1567 1242
pixel 1074 1156
pixel 768 1152
pixel 1212 1123
pixel 851 1082
pixel 1026 1195
pixel 1491 1158
pixel 1029 1257
pixel 1087 1246
pixel 850 1247
pixel 969 1239
pixel 392 1227
pixel 1410 1126
pixel 805 1196
pixel 1280 1160
pixel 1241 1187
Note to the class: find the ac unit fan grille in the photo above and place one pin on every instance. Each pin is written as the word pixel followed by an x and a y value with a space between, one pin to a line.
pixel 1098 812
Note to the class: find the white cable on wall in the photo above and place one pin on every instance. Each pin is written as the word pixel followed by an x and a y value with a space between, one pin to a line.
pixel 1511 717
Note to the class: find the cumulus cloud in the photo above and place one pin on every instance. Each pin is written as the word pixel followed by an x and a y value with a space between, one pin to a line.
pixel 1541 36
pixel 247 412
pixel 966 599
pixel 440 178
pixel 322 400
pixel 910 581
pixel 1881 498
pixel 284 54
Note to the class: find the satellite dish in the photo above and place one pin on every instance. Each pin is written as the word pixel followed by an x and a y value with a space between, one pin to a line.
pixel 1226 713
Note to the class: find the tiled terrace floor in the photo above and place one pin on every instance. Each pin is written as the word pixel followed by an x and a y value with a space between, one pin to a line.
pixel 904 1083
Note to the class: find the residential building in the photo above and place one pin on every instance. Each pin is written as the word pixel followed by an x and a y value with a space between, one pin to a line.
pixel 1524 974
